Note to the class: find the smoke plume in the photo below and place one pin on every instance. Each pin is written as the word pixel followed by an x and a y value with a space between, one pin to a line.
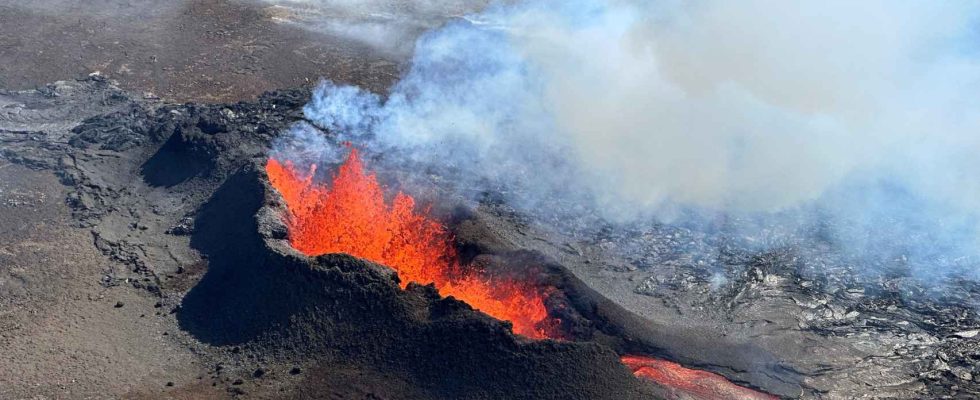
pixel 859 116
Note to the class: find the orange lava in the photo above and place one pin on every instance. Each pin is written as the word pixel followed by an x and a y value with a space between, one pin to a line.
pixel 695 383
pixel 351 216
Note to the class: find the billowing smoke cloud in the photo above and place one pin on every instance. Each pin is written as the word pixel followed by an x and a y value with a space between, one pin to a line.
pixel 863 116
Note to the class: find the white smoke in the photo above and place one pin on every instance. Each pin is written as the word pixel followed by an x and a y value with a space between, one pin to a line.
pixel 864 111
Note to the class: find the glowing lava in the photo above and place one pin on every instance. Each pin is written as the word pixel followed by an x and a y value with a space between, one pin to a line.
pixel 696 383
pixel 351 216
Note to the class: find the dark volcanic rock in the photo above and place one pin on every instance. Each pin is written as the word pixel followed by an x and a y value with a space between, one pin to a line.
pixel 839 324
pixel 588 315
pixel 107 133
pixel 260 291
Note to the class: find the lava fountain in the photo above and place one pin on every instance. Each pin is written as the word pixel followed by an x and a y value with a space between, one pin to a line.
pixel 351 216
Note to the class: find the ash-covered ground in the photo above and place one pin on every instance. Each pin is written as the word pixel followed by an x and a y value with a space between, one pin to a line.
pixel 184 50
pixel 135 262
pixel 140 180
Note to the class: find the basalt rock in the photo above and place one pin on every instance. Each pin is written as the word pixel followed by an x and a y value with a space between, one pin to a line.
pixel 340 309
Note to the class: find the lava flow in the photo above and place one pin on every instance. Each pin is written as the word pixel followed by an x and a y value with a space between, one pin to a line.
pixel 702 384
pixel 351 216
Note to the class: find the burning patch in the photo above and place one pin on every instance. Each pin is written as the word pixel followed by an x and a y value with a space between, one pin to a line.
pixel 351 216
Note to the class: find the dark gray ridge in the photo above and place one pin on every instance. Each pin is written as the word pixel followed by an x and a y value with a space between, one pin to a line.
pixel 339 309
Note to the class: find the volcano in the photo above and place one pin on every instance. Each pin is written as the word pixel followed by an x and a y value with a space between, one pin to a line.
pixel 350 216
pixel 585 199
pixel 432 295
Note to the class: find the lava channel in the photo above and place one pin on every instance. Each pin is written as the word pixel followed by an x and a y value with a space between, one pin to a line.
pixel 701 384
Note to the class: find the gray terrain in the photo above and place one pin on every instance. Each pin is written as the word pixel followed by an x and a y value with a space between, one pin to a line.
pixel 138 257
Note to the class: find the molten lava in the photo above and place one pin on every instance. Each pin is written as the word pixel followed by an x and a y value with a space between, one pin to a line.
pixel 351 216
pixel 696 383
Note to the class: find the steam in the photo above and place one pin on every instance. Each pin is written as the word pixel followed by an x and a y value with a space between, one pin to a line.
pixel 861 116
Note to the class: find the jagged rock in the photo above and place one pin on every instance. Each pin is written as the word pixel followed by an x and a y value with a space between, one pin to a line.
pixel 962 373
